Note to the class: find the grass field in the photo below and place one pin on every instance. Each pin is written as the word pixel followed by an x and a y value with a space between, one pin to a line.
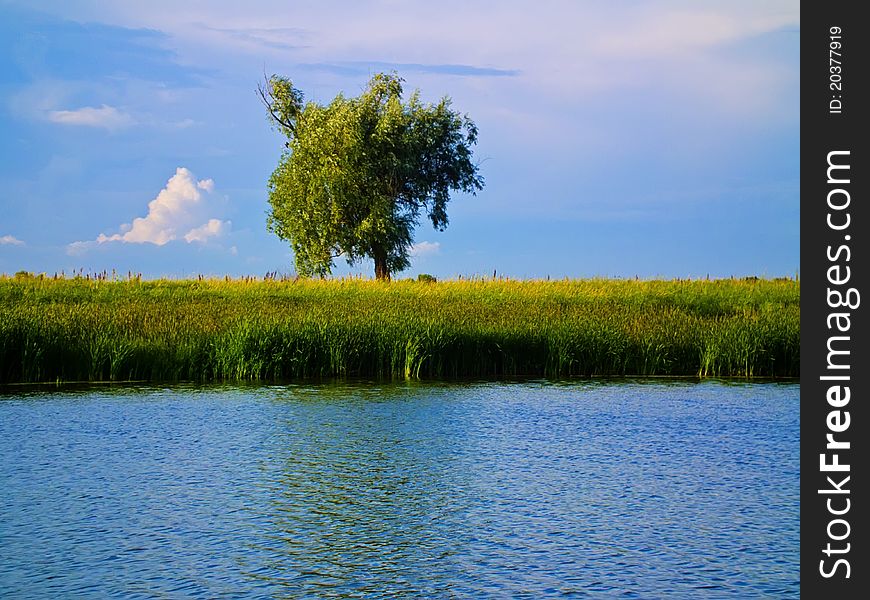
pixel 218 330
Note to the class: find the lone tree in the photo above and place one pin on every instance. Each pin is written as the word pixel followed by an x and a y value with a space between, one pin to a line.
pixel 359 173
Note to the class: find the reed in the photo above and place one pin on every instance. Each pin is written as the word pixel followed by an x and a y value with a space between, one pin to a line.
pixel 100 329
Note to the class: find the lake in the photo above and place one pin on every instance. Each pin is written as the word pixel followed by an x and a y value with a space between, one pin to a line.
pixel 645 489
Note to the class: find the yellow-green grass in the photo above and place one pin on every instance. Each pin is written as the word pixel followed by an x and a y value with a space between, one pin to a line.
pixel 219 330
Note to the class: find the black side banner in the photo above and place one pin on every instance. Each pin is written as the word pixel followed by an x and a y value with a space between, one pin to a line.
pixel 835 372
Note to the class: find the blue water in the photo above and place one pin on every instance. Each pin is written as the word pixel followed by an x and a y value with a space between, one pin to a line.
pixel 646 490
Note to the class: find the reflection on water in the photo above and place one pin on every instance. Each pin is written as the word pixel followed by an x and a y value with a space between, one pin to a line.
pixel 376 490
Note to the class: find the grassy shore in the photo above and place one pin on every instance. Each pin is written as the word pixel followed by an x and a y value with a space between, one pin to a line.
pixel 213 330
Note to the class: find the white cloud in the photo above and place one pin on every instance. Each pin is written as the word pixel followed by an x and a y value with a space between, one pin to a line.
pixel 570 56
pixel 106 117
pixel 566 52
pixel 174 214
pixel 679 32
pixel 10 240
pixel 422 249
pixel 79 248
pixel 213 228
pixel 183 124
pixel 557 35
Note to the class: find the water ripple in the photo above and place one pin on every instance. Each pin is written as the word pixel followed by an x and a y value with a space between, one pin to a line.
pixel 345 491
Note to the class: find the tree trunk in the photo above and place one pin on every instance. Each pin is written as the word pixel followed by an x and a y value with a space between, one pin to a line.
pixel 382 272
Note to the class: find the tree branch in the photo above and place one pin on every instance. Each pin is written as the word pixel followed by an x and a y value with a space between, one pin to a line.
pixel 267 97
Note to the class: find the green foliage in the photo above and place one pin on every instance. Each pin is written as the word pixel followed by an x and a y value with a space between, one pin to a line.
pixel 80 329
pixel 360 173
pixel 426 278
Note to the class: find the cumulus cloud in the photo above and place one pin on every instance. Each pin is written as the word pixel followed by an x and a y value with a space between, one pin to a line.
pixel 175 214
pixel 105 117
pixel 213 228
pixel 422 249
pixel 10 240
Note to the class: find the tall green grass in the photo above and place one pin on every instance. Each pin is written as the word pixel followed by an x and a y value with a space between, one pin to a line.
pixel 208 330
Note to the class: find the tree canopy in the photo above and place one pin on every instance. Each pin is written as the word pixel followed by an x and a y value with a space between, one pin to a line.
pixel 359 174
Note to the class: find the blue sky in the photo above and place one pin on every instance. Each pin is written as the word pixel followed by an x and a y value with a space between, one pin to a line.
pixel 657 139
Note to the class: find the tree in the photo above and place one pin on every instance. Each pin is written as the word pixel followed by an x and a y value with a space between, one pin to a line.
pixel 358 174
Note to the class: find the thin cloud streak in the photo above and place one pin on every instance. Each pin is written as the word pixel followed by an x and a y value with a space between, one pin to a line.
pixel 275 38
pixel 105 117
pixel 353 68
pixel 10 240
pixel 424 249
